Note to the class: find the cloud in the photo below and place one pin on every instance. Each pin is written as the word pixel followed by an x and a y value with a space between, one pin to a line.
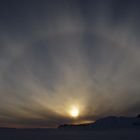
pixel 72 54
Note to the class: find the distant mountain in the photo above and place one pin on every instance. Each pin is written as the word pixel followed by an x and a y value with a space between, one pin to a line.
pixel 110 122
pixel 138 116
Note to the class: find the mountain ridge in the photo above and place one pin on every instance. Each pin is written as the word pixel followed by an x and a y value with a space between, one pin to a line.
pixel 109 122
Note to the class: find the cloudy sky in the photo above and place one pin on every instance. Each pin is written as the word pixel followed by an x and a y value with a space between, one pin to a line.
pixel 56 54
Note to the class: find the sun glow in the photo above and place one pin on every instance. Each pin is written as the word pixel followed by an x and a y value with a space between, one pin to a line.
pixel 74 112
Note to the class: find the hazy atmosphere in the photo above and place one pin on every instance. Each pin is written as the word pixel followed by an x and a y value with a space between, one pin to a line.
pixel 68 61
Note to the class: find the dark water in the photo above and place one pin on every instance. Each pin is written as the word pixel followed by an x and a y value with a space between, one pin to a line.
pixel 55 134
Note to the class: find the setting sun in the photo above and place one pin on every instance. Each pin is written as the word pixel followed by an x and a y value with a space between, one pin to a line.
pixel 74 112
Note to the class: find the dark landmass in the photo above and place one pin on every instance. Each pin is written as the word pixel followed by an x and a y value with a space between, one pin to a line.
pixel 108 128
pixel 110 122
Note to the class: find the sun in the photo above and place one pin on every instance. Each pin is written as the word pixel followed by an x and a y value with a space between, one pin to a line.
pixel 74 112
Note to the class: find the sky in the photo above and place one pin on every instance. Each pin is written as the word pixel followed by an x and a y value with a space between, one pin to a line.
pixel 56 55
